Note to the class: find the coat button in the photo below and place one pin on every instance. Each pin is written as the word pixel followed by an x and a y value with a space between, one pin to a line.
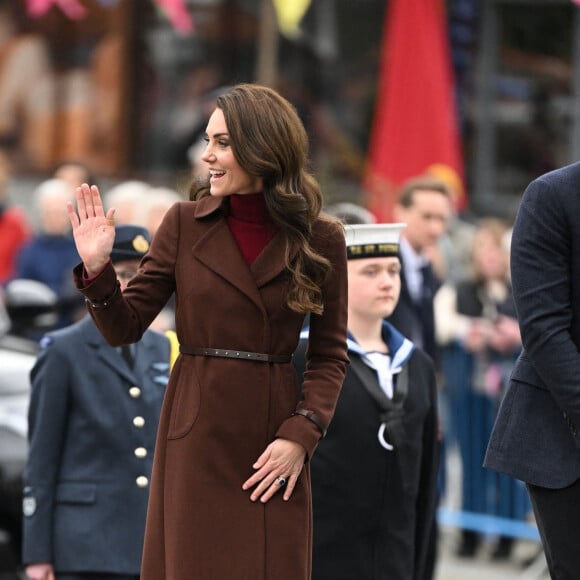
pixel 135 392
pixel 141 452
pixel 142 481
pixel 139 422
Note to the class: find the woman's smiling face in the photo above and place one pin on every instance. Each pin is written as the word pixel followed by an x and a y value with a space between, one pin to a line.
pixel 226 176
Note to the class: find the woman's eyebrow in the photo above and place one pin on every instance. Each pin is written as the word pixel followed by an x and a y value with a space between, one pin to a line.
pixel 217 135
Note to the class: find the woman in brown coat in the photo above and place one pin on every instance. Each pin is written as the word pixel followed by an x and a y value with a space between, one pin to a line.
pixel 247 260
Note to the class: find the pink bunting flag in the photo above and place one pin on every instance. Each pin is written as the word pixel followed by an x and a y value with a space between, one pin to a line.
pixel 73 9
pixel 177 14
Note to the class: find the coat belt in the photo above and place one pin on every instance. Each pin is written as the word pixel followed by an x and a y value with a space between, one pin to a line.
pixel 233 353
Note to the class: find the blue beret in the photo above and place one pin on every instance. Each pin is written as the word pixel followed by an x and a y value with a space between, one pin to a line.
pixel 131 243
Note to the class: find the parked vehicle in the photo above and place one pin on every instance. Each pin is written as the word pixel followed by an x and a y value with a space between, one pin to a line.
pixel 27 308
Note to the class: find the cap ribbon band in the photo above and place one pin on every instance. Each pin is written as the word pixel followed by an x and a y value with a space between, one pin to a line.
pixel 372 251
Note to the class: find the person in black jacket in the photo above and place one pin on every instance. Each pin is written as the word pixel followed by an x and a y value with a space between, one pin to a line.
pixel 424 204
pixel 374 473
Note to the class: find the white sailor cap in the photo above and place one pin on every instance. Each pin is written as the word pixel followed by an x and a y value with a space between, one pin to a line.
pixel 372 240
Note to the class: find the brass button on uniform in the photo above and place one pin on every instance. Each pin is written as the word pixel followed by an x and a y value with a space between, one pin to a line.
pixel 142 481
pixel 139 422
pixel 141 452
pixel 135 392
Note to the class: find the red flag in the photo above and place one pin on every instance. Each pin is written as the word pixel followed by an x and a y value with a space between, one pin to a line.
pixel 415 129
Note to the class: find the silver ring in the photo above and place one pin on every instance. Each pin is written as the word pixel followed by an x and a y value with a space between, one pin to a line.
pixel 281 481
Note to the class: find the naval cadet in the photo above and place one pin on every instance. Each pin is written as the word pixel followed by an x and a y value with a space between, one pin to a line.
pixel 374 474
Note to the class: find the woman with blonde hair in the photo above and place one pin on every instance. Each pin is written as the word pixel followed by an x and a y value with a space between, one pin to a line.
pixel 479 334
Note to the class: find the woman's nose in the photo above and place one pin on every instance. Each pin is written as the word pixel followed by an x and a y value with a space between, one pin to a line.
pixel 207 153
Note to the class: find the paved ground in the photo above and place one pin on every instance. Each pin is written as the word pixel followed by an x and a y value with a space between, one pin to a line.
pixel 526 563
pixel 482 567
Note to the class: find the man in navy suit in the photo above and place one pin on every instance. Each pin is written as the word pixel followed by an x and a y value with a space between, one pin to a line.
pixel 536 437
pixel 92 424
pixel 425 206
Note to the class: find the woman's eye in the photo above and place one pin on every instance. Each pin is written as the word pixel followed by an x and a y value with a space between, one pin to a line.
pixel 224 144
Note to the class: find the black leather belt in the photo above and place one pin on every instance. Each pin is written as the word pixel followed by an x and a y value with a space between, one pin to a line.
pixel 239 354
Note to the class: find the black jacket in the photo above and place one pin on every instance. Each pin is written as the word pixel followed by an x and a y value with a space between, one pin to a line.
pixel 369 524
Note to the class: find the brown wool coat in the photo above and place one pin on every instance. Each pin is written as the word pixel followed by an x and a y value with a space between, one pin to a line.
pixel 220 414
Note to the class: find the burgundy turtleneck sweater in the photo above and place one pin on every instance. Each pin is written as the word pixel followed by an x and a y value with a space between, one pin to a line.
pixel 250 224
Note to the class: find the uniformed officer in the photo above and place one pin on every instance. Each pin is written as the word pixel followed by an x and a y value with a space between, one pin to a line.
pixel 374 473
pixel 92 424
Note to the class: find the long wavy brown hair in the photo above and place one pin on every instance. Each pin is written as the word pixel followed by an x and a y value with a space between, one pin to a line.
pixel 269 141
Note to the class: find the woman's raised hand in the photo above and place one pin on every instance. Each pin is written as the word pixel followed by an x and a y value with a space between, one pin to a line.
pixel 93 230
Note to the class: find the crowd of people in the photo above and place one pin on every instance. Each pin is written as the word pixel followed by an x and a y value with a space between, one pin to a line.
pixel 323 367
pixel 37 242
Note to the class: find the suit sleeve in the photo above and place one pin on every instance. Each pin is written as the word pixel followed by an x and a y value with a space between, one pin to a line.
pixel 47 417
pixel 541 261
pixel 326 355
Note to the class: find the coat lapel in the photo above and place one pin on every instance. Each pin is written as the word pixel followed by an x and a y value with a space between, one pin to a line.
pixel 106 353
pixel 217 250
pixel 370 381
pixel 271 261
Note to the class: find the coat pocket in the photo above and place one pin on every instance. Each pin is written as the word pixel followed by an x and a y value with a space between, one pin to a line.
pixel 185 406
pixel 529 424
pixel 78 493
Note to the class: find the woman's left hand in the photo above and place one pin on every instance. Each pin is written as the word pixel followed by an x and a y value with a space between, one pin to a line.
pixel 277 468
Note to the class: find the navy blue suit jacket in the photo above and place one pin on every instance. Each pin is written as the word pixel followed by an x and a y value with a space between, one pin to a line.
pixel 411 320
pixel 536 437
pixel 92 428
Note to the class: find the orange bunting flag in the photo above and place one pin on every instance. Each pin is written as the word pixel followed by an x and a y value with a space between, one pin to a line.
pixel 415 128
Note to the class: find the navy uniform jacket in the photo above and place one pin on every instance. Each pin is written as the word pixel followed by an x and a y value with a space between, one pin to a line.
pixel 92 428
pixel 536 437
pixel 371 520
